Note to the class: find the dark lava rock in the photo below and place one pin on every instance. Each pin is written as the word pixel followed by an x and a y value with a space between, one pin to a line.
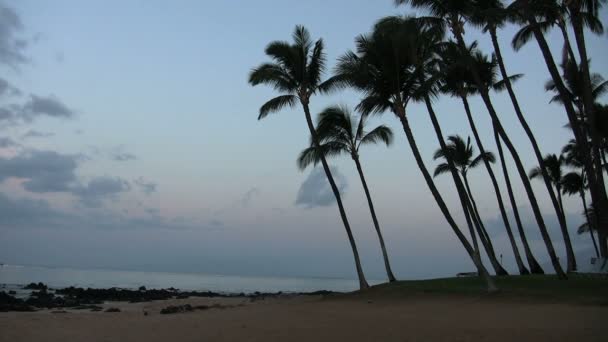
pixel 10 303
pixel 112 310
pixel 12 292
pixel 176 309
pixel 34 286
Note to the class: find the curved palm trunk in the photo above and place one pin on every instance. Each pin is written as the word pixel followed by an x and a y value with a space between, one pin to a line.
pixel 600 199
pixel 564 31
pixel 520 168
pixel 488 242
pixel 571 261
pixel 598 192
pixel 387 265
pixel 464 195
pixel 483 272
pixel 597 252
pixel 535 267
pixel 362 282
pixel 520 264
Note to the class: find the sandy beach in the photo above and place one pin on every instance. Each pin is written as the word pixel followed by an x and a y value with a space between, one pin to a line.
pixel 359 318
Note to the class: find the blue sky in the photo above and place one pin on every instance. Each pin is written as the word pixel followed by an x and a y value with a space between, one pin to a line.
pixel 168 168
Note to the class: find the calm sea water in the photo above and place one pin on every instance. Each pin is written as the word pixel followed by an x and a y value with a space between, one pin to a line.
pixel 12 276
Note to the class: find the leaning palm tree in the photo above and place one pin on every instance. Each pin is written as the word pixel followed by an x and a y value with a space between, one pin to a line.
pixel 573 183
pixel 383 70
pixel 339 134
pixel 491 15
pixel 528 12
pixel 296 70
pixel 454 14
pixel 462 155
pixel 554 168
pixel 456 82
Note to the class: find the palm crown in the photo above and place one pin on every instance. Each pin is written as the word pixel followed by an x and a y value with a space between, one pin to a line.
pixel 296 70
pixel 462 154
pixel 340 133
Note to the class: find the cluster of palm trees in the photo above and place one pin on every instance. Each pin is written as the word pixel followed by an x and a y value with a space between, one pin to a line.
pixel 406 59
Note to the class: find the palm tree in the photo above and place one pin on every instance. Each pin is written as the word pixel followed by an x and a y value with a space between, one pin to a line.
pixel 296 70
pixel 528 12
pixel 456 82
pixel 454 13
pixel 339 134
pixel 573 81
pixel 384 71
pixel 554 168
pixel 462 155
pixel 491 15
pixel 573 183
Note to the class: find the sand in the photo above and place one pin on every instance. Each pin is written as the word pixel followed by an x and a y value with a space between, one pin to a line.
pixel 423 318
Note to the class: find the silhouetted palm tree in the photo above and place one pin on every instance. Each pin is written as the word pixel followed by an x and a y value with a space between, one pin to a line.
pixel 386 72
pixel 528 12
pixel 491 15
pixel 462 155
pixel 456 81
pixel 454 13
pixel 573 183
pixel 296 70
pixel 339 134
pixel 554 168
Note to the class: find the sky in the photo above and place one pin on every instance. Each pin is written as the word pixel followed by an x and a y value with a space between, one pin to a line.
pixel 129 139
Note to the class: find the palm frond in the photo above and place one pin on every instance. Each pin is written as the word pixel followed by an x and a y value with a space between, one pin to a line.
pixel 312 155
pixel 441 169
pixel 277 104
pixel 381 133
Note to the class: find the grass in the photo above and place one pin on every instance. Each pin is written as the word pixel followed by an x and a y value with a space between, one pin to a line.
pixel 579 288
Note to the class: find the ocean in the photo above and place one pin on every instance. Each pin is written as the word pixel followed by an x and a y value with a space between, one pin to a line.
pixel 15 276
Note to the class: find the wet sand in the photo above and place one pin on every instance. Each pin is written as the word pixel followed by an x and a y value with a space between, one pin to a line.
pixel 415 318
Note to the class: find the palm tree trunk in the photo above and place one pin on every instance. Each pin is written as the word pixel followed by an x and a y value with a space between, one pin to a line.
pixel 462 192
pixel 387 265
pixel 520 168
pixel 483 233
pixel 596 181
pixel 564 31
pixel 539 157
pixel 535 267
pixel 589 223
pixel 362 282
pixel 598 193
pixel 520 264
pixel 483 272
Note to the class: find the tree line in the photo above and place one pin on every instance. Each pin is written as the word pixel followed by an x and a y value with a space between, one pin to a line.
pixel 418 59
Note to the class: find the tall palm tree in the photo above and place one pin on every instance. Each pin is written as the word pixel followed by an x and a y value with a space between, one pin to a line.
pixel 554 168
pixel 491 15
pixel 339 134
pixel 528 12
pixel 573 81
pixel 296 70
pixel 456 82
pixel 573 183
pixel 384 71
pixel 462 155
pixel 454 13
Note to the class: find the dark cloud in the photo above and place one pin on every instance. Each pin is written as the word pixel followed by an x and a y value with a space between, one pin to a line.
pixel 315 190
pixel 145 186
pixel 249 196
pixel 6 89
pixel 45 106
pixel 49 171
pixel 99 189
pixel 44 171
pixel 37 134
pixel 152 211
pixel 123 156
pixel 7 142
pixel 12 47
pixel 24 213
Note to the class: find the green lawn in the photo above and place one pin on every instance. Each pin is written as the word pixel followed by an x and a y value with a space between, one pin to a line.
pixel 590 289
